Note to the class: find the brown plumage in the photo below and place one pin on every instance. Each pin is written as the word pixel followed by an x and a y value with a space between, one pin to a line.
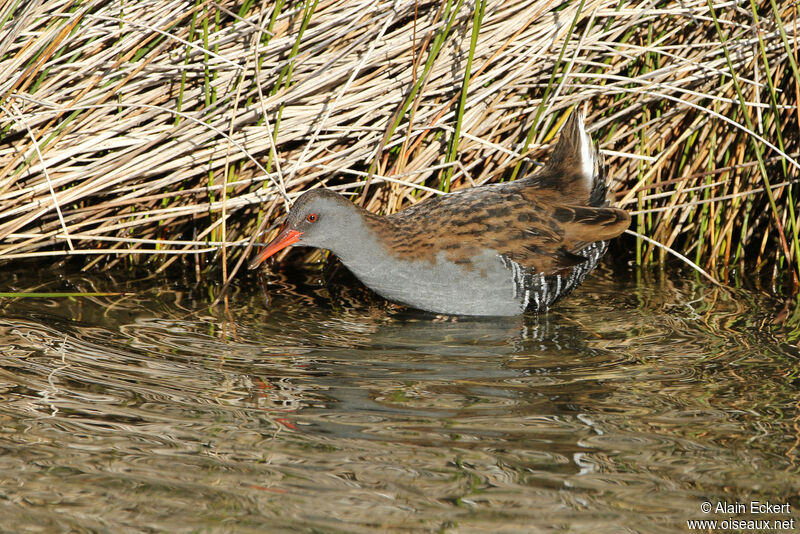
pixel 540 222
pixel 491 250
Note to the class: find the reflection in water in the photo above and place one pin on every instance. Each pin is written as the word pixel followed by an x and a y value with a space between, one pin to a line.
pixel 628 405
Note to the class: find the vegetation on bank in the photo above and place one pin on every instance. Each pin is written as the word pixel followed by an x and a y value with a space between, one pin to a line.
pixel 173 130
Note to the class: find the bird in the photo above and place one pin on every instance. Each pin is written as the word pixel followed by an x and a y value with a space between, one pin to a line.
pixel 498 249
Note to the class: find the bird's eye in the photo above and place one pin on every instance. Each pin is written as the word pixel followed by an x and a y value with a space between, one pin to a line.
pixel 312 217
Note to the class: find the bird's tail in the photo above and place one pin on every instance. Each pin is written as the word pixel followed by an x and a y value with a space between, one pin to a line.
pixel 576 165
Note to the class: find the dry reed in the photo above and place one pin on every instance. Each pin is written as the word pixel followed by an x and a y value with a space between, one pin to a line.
pixel 167 128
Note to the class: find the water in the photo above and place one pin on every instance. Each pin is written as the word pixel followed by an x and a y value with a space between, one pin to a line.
pixel 327 410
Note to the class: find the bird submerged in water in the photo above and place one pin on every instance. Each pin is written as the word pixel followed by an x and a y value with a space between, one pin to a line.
pixel 499 249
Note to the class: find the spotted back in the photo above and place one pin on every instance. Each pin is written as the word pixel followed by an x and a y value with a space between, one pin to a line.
pixel 542 222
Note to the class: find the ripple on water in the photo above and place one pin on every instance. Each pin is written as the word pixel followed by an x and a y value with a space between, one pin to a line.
pixel 628 405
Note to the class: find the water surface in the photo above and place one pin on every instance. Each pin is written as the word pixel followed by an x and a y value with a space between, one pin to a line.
pixel 325 409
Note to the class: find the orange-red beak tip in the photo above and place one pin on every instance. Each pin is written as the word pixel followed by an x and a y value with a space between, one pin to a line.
pixel 285 238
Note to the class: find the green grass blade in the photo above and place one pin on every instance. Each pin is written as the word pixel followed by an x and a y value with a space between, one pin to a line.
pixel 480 8
pixel 556 69
pixel 756 146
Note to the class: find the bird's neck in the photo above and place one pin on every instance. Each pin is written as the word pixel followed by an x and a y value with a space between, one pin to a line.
pixel 357 244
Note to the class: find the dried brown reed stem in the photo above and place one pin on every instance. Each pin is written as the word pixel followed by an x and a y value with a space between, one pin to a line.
pixel 159 129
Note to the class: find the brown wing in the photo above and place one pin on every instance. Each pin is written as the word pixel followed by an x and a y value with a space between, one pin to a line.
pixel 521 224
pixel 584 224
pixel 552 243
pixel 541 222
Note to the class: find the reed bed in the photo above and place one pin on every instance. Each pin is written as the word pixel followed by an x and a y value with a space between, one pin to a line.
pixel 167 130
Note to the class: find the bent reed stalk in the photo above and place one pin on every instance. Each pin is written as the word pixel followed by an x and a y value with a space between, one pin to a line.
pixel 151 131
